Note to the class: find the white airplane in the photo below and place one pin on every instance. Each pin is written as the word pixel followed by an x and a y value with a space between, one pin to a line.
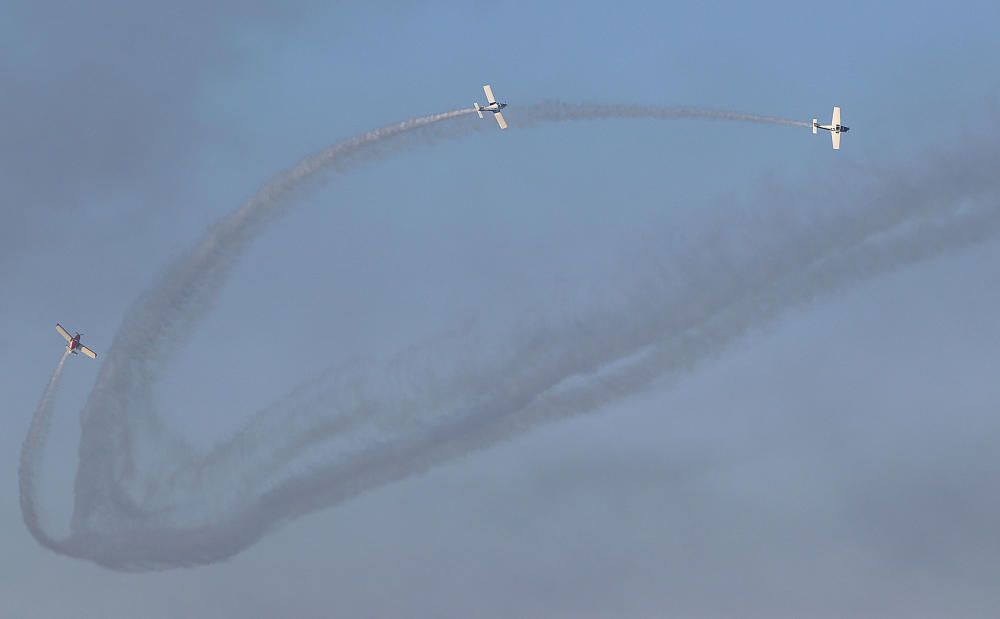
pixel 73 343
pixel 494 106
pixel 835 128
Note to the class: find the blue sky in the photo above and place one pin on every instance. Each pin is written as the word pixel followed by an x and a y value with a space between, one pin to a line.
pixel 132 129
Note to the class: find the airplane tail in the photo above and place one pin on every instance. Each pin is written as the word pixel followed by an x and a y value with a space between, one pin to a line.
pixel 814 126
pixel 478 109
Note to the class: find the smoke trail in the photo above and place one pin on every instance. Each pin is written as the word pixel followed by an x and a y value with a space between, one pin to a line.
pixel 120 410
pixel 145 500
pixel 31 455
pixel 579 379
pixel 557 111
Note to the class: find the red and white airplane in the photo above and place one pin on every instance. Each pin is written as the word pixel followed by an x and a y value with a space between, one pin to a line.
pixel 73 343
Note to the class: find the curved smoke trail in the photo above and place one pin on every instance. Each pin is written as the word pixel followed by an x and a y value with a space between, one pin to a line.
pixel 144 499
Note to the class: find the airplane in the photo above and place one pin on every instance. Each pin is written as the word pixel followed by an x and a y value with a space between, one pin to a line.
pixel 835 128
pixel 494 106
pixel 73 343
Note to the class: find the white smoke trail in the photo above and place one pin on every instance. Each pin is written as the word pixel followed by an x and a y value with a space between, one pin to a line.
pixel 142 496
pixel 120 410
pixel 31 456
pixel 562 379
pixel 557 110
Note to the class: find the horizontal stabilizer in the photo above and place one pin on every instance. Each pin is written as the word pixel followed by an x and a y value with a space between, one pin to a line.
pixel 478 109
pixel 814 126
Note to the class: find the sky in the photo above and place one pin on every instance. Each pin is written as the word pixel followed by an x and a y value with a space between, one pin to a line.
pixel 765 366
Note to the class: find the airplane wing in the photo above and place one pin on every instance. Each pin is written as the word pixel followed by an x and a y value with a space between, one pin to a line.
pixel 836 117
pixel 63 332
pixel 88 352
pixel 500 120
pixel 836 140
pixel 489 94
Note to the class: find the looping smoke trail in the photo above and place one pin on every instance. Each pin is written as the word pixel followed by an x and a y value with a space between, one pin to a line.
pixel 146 500
pixel 575 382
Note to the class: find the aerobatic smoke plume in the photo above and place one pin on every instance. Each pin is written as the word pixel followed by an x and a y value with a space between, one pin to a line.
pixel 144 499
pixel 31 456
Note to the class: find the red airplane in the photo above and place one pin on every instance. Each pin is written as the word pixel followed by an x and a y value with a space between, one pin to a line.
pixel 73 343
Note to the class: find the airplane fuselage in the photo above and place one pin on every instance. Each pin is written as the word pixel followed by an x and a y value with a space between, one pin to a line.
pixel 74 344
pixel 492 107
pixel 833 128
